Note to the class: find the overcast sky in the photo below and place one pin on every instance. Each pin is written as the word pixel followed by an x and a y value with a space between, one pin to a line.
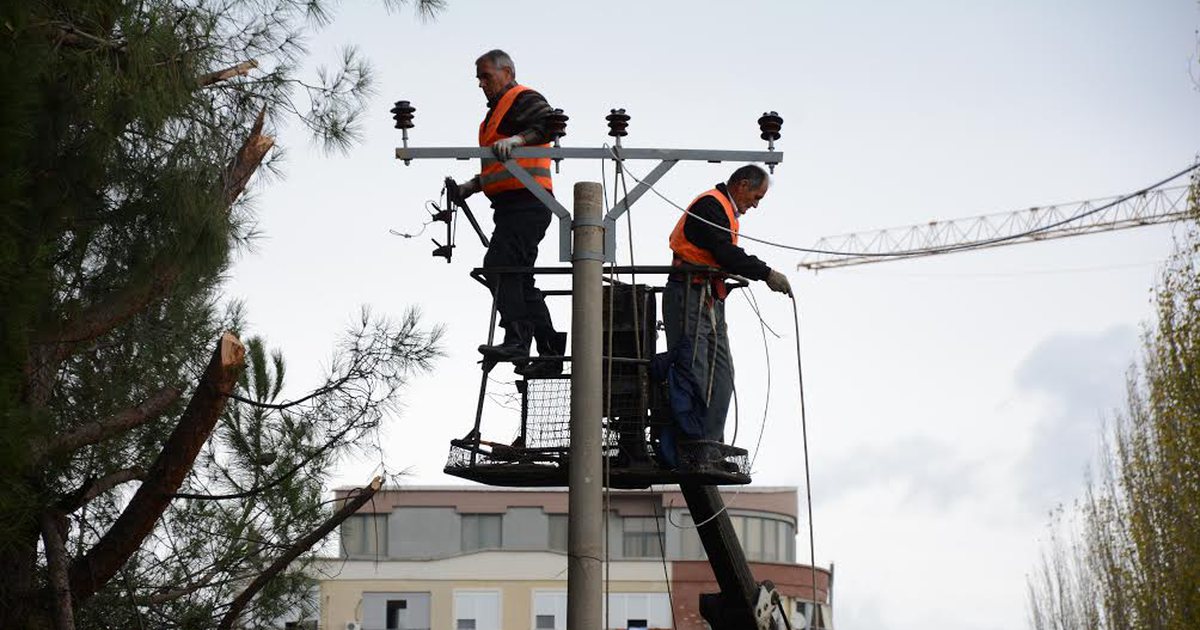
pixel 952 401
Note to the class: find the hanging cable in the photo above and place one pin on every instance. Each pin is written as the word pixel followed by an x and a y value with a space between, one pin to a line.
pixel 931 250
pixel 812 553
pixel 428 202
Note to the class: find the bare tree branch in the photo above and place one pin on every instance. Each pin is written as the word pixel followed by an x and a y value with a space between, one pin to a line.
pixel 90 572
pixel 119 422
pixel 299 547
pixel 247 160
pixel 56 560
pixel 241 69
pixel 93 488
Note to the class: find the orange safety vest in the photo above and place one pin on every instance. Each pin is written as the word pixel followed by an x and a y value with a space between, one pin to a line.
pixel 687 252
pixel 493 177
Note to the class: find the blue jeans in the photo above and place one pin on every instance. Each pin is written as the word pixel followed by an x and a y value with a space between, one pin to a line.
pixel 693 311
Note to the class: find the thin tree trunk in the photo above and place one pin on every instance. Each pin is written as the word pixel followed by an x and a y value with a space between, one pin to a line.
pixel 299 547
pixel 56 561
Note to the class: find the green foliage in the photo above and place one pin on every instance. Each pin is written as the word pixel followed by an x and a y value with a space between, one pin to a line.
pixel 119 137
pixel 1134 559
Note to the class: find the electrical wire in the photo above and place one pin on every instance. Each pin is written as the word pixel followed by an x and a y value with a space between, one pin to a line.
pixel 931 250
pixel 812 548
pixel 762 427
pixel 428 202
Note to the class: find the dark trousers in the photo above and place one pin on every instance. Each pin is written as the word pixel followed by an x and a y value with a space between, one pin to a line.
pixel 519 228
pixel 692 311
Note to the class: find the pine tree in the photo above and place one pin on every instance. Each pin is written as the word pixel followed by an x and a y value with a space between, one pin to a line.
pixel 146 478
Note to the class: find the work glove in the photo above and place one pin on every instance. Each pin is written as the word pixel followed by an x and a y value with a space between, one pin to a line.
pixel 779 282
pixel 468 188
pixel 503 148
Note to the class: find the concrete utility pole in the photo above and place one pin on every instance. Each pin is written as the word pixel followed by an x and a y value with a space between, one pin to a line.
pixel 585 535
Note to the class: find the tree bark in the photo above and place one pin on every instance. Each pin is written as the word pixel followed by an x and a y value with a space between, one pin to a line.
pixel 56 561
pixel 241 69
pixel 92 571
pixel 295 550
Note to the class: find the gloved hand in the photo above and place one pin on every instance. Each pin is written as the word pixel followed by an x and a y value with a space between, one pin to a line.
pixel 778 283
pixel 503 148
pixel 468 188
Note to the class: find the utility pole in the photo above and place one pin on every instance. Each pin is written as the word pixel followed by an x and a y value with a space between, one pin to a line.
pixel 585 534
pixel 587 238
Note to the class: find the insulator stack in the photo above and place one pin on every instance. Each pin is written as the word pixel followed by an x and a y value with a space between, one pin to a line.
pixel 556 125
pixel 770 123
pixel 556 128
pixel 618 122
pixel 402 113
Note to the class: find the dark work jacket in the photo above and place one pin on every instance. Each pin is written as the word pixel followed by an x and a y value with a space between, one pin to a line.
pixel 730 257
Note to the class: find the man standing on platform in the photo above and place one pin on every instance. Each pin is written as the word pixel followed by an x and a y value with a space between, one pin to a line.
pixel 516 117
pixel 694 302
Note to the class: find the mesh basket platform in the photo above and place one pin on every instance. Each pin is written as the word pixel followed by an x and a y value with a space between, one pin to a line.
pixel 632 426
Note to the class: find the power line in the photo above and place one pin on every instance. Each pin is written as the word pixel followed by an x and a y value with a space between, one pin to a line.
pixel 923 251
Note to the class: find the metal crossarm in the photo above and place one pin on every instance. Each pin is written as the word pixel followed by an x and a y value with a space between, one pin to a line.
pixel 667 158
pixel 1161 205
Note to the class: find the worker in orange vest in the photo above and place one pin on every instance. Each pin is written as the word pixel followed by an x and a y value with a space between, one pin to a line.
pixel 694 303
pixel 516 117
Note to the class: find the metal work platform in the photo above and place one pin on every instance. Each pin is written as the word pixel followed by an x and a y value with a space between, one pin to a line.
pixel 635 419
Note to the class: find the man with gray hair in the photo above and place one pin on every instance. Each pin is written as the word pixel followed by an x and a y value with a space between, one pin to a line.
pixel 516 117
pixel 694 301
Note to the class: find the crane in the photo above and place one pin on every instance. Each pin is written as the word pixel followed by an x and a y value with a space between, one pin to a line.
pixel 1038 223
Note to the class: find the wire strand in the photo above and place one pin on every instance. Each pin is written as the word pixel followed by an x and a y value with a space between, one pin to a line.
pixel 929 250
pixel 812 547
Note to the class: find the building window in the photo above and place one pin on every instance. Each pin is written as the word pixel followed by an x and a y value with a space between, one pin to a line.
pixel 549 610
pixel 690 546
pixel 558 532
pixel 810 616
pixel 639 610
pixel 477 610
pixel 642 536
pixel 481 531
pixel 396 614
pixel 765 539
pixel 364 535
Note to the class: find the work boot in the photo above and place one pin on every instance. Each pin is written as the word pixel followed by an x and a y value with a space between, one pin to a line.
pixel 517 338
pixel 553 345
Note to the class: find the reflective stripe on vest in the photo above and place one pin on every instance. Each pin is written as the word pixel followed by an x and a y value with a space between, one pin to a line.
pixel 685 250
pixel 493 177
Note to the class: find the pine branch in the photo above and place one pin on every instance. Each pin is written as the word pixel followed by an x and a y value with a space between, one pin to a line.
pixel 56 561
pixel 93 488
pixel 248 159
pixel 241 69
pixel 299 547
pixel 92 571
pixel 125 303
pixel 117 423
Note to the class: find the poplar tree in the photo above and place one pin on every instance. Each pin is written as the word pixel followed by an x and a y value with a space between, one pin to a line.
pixel 150 475
pixel 1131 558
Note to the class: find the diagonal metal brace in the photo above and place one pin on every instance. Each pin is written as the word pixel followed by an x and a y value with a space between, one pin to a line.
pixel 564 217
pixel 622 206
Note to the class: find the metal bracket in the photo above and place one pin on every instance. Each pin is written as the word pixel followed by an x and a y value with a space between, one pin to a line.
pixel 667 159
pixel 622 206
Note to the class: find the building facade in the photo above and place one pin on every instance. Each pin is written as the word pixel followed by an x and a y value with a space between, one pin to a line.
pixel 482 558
